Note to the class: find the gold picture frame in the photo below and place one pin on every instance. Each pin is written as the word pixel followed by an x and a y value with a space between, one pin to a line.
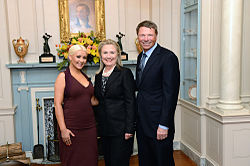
pixel 64 19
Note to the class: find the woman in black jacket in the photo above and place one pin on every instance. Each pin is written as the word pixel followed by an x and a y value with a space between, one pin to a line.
pixel 115 114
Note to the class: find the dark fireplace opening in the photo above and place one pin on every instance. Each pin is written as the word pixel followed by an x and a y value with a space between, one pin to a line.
pixel 53 142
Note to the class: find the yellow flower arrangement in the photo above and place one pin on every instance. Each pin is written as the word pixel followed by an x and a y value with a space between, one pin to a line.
pixel 89 40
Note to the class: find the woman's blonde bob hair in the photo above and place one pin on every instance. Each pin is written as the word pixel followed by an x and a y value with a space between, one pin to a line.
pixel 118 50
pixel 73 49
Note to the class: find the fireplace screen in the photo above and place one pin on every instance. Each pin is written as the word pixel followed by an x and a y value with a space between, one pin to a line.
pixel 52 142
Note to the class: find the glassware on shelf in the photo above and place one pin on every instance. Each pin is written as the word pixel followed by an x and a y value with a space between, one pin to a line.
pixel 191 53
pixel 192 92
pixel 190 32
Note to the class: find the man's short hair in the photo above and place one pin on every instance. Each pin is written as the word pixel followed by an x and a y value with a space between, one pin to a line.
pixel 148 24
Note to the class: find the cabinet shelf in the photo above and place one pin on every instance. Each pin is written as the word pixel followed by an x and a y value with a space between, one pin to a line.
pixel 188 56
pixel 191 54
pixel 190 79
pixel 191 8
pixel 191 100
pixel 190 34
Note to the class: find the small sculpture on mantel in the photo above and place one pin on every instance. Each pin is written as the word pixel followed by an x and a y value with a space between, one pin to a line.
pixel 46 48
pixel 124 55
pixel 46 57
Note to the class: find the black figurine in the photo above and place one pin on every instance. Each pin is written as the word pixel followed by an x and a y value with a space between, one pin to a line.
pixel 124 54
pixel 119 37
pixel 46 48
pixel 46 57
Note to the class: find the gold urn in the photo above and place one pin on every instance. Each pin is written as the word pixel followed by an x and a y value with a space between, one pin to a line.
pixel 138 46
pixel 21 48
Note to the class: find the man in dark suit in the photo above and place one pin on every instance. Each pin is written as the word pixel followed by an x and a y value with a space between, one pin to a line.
pixel 158 80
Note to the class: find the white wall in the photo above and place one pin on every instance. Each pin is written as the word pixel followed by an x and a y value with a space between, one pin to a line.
pixel 214 139
pixel 6 109
pixel 191 127
pixel 5 88
pixel 7 126
pixel 31 19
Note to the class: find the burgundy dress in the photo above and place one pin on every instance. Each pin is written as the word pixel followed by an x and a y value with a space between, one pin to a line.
pixel 79 118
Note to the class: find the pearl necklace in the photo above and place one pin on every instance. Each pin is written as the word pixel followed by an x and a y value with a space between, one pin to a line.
pixel 108 72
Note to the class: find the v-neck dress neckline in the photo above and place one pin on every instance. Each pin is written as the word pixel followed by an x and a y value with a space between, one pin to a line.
pixel 78 81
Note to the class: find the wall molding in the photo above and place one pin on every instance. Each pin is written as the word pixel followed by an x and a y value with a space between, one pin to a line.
pixel 193 154
pixel 212 113
pixel 7 125
pixel 7 111
pixel 196 156
pixel 190 106
pixel 245 99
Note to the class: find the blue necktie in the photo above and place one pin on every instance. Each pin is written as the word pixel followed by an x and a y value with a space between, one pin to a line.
pixel 143 60
pixel 142 65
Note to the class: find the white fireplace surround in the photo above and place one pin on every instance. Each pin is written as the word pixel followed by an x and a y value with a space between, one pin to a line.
pixel 34 111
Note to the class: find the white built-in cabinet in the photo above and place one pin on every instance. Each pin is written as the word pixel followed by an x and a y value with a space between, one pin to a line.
pixel 190 51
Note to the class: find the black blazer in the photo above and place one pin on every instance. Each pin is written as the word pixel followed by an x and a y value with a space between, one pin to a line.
pixel 115 113
pixel 158 91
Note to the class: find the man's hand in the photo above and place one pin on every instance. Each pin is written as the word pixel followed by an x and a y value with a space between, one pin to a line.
pixel 162 133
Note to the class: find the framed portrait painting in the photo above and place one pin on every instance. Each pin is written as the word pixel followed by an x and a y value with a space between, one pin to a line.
pixel 81 16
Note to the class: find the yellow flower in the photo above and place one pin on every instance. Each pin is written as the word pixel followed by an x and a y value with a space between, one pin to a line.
pixel 84 40
pixel 65 54
pixel 97 54
pixel 92 52
pixel 64 47
pixel 89 41
pixel 96 60
pixel 73 41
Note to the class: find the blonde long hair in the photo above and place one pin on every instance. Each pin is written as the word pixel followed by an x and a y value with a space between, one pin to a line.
pixel 118 50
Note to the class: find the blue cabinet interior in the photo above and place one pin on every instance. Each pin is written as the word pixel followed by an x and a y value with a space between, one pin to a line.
pixel 190 51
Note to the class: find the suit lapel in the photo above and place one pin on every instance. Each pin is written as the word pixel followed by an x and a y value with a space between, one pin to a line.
pixel 150 62
pixel 98 82
pixel 112 78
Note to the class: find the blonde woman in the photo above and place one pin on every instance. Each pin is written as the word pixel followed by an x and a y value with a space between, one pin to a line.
pixel 74 97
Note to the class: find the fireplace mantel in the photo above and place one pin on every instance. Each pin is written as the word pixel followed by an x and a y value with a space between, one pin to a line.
pixel 31 81
pixel 54 65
